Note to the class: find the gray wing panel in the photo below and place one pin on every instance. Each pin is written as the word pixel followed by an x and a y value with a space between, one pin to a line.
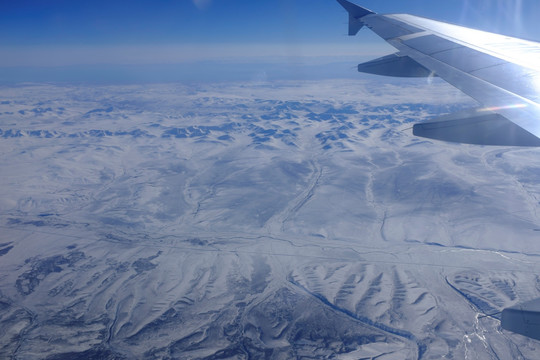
pixel 467 59
pixel 514 78
pixel 388 28
pixel 431 44
pixel 517 79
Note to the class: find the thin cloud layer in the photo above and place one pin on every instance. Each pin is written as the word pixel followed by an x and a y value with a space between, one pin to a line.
pixel 43 56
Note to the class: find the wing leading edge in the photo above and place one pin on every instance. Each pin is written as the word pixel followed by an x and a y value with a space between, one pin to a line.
pixel 500 72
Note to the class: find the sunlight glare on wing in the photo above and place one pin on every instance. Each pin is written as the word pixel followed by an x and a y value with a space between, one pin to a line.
pixel 522 52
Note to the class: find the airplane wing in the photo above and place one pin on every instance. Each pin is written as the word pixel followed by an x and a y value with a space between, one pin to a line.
pixel 500 72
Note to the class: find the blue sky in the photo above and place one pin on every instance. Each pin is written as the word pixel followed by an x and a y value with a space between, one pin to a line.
pixel 76 22
pixel 74 32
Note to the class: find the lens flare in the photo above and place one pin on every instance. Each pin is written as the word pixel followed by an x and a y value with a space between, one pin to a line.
pixel 505 107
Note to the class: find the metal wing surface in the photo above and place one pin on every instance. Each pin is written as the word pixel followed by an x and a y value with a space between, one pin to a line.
pixel 502 73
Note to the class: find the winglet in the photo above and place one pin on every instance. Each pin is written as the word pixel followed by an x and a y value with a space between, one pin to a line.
pixel 355 14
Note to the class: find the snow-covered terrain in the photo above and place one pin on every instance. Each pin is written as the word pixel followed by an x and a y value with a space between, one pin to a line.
pixel 258 220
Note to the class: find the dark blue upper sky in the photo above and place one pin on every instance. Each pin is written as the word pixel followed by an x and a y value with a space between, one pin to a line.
pixel 75 32
pixel 32 22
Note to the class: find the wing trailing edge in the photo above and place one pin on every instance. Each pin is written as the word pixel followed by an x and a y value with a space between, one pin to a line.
pixel 356 13
pixel 478 127
pixel 523 319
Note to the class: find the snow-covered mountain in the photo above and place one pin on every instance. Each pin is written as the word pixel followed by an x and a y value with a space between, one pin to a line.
pixel 258 220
